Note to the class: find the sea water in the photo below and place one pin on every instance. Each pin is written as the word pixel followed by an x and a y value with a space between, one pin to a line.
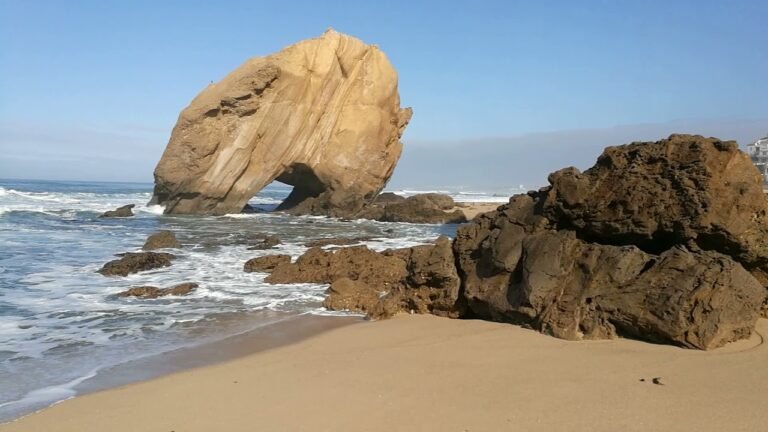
pixel 61 321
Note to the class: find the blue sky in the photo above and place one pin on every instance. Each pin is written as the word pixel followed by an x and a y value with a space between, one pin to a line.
pixel 91 90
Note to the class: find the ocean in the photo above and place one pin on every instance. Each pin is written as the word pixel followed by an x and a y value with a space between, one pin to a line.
pixel 61 322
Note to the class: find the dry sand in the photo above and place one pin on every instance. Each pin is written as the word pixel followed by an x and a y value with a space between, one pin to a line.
pixel 473 209
pixel 423 373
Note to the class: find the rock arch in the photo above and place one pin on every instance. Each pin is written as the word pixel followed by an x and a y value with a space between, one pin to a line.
pixel 322 115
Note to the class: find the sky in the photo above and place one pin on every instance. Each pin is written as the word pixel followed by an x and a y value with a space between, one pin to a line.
pixel 90 90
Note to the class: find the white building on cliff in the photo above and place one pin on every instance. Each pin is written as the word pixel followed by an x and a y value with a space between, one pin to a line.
pixel 758 151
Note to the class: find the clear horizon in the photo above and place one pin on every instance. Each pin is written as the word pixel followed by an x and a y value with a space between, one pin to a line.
pixel 91 91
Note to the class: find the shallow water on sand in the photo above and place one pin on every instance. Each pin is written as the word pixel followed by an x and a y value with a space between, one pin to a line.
pixel 61 322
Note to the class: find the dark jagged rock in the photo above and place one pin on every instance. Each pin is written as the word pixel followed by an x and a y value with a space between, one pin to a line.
pixel 656 195
pixel 124 211
pixel 268 242
pixel 554 282
pixel 249 209
pixel 265 263
pixel 151 292
pixel 421 279
pixel 414 211
pixel 134 262
pixel 356 262
pixel 161 240
pixel 346 294
pixel 660 241
pixel 626 248
pixel 423 208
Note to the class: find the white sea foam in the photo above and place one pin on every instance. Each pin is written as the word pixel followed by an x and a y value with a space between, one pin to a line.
pixel 152 209
pixel 59 319
pixel 58 392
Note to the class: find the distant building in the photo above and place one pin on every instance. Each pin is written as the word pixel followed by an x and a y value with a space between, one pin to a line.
pixel 758 151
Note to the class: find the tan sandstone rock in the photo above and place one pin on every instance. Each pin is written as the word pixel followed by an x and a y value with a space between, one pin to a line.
pixel 322 115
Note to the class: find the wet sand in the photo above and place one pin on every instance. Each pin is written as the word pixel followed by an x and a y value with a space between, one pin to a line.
pixel 271 330
pixel 423 373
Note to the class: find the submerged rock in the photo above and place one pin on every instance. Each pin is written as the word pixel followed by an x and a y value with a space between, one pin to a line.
pixel 151 292
pixel 161 240
pixel 124 211
pixel 134 262
pixel 267 242
pixel 337 241
pixel 322 115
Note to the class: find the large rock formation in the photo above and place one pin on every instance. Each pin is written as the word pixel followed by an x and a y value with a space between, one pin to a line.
pixel 322 115
pixel 656 195
pixel 662 241
pixel 652 242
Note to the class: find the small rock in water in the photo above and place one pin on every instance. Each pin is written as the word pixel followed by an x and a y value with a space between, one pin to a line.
pixel 266 263
pixel 154 292
pixel 134 262
pixel 124 211
pixel 659 381
pixel 161 240
pixel 269 242
pixel 249 209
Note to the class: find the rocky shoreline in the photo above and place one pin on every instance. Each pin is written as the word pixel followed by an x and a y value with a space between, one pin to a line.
pixel 660 241
pixel 612 251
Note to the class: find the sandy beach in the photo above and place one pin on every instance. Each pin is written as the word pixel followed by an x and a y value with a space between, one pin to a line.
pixel 423 373
pixel 473 209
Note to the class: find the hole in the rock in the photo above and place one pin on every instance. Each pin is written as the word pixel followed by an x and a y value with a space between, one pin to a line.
pixel 305 185
pixel 267 199
pixel 291 188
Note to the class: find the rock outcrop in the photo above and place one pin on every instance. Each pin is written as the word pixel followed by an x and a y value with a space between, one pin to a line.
pixel 322 115
pixel 134 262
pixel 656 195
pixel 150 292
pixel 661 241
pixel 422 279
pixel 388 198
pixel 431 208
pixel 161 240
pixel 124 211
pixel 265 263
pixel 656 241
